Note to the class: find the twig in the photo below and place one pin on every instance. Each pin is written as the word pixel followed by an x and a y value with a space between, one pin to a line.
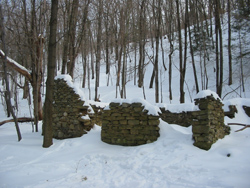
pixel 237 124
pixel 245 126
pixel 233 90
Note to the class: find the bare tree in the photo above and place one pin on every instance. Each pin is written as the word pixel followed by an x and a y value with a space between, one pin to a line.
pixel 181 68
pixel 98 47
pixel 219 48
pixel 8 100
pixel 142 41
pixel 157 12
pixel 169 13
pixel 72 38
pixel 230 76
pixel 48 105
pixel 192 57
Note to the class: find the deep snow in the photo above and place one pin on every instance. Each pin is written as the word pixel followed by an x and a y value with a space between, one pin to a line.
pixel 171 161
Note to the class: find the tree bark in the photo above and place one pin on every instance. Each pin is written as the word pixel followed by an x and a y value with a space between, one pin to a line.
pixel 98 48
pixel 158 23
pixel 182 93
pixel 72 38
pixel 230 76
pixel 219 49
pixel 192 57
pixel 142 38
pixel 48 105
pixel 37 81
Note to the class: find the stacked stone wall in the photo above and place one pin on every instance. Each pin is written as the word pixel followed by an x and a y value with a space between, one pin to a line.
pixel 208 123
pixel 182 118
pixel 128 125
pixel 70 115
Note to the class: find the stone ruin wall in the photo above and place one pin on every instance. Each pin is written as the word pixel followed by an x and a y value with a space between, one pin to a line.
pixel 181 118
pixel 129 125
pixel 208 123
pixel 185 118
pixel 70 116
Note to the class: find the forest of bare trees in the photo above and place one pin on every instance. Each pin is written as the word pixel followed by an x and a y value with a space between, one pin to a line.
pixel 95 30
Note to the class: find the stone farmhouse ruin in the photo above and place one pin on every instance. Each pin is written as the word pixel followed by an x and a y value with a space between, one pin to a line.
pixel 132 123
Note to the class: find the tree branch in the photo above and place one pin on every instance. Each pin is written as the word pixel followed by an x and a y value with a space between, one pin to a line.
pixel 13 79
pixel 245 126
pixel 21 120
pixel 17 67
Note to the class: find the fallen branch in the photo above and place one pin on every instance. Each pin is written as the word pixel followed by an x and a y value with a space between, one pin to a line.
pixel 245 126
pixel 236 124
pixel 21 120
pixel 17 67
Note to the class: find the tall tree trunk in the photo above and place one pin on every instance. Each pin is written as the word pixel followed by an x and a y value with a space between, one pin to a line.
pixel 36 53
pixel 170 72
pixel 193 61
pixel 135 60
pixel 65 51
pixel 124 73
pixel 182 94
pixel 142 42
pixel 230 76
pixel 48 105
pixel 219 49
pixel 170 34
pixel 221 60
pixel 8 101
pixel 241 64
pixel 92 55
pixel 37 82
pixel 185 53
pixel 158 23
pixel 84 62
pixel 217 46
pixel 152 77
pixel 98 47
pixel 72 38
pixel 107 30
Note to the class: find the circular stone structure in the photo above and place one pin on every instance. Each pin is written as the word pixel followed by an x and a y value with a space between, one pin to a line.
pixel 130 123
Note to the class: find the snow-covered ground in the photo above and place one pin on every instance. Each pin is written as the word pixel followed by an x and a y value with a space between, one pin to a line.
pixel 170 162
